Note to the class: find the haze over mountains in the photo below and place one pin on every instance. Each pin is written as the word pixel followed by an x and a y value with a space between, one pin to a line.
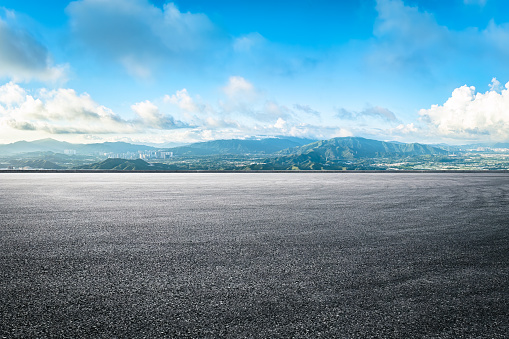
pixel 51 145
pixel 325 154
pixel 235 154
pixel 336 148
pixel 284 153
pixel 234 146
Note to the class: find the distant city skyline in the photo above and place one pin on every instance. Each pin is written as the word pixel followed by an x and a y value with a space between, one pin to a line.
pixel 156 71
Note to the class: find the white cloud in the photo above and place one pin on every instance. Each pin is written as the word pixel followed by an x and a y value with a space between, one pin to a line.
pixel 11 94
pixel 405 129
pixel 58 112
pixel 212 122
pixel 303 130
pixel 22 57
pixel 239 88
pixel 281 124
pixel 246 111
pixel 244 99
pixel 272 109
pixel 63 111
pixel 342 133
pixel 143 37
pixel 183 100
pixel 152 117
pixel 470 115
pixel 495 85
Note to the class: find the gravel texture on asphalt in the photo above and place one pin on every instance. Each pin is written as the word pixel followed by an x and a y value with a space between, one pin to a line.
pixel 254 255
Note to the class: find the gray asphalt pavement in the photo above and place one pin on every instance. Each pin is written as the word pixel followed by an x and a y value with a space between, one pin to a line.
pixel 277 255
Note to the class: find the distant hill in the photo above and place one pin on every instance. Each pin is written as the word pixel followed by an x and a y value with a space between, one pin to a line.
pixel 501 145
pixel 355 148
pixel 43 145
pixel 35 164
pixel 51 145
pixel 113 147
pixel 216 147
pixel 126 165
pixel 239 146
pixel 334 153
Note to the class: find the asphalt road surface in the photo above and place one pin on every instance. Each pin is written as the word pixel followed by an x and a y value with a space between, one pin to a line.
pixel 409 255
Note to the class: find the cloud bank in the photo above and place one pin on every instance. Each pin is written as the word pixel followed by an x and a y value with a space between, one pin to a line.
pixel 470 115
pixel 63 111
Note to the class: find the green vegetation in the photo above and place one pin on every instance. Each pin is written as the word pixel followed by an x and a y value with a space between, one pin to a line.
pixel 268 154
pixel 239 147
pixel 38 163
pixel 126 165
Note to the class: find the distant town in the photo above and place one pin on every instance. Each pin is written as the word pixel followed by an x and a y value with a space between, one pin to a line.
pixel 130 155
pixel 286 154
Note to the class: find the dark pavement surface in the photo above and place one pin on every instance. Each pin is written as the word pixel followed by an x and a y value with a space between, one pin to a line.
pixel 254 255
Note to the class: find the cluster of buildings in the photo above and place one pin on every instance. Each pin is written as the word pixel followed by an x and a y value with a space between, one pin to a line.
pixel 131 155
pixel 140 155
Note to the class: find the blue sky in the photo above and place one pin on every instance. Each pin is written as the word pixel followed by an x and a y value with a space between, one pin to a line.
pixel 185 71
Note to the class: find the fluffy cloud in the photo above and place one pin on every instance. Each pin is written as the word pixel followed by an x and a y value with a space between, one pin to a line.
pixel 151 116
pixel 304 130
pixel 183 100
pixel 470 115
pixel 245 111
pixel 63 111
pixel 11 94
pixel 405 129
pixel 22 57
pixel 239 88
pixel 142 36
pixel 370 112
pixel 241 101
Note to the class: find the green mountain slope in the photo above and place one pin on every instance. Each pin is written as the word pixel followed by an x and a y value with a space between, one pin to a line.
pixel 51 145
pixel 343 153
pixel 43 145
pixel 113 147
pixel 126 165
pixel 35 164
pixel 239 147
pixel 355 148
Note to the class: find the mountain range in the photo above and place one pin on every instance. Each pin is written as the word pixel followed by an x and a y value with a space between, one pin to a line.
pixel 283 153
pixel 234 146
pixel 354 148
pixel 51 145
pixel 126 165
pixel 339 153
pixel 336 148
pixel 240 146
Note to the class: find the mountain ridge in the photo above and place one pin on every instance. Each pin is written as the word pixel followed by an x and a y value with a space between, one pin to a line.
pixel 52 145
pixel 214 147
